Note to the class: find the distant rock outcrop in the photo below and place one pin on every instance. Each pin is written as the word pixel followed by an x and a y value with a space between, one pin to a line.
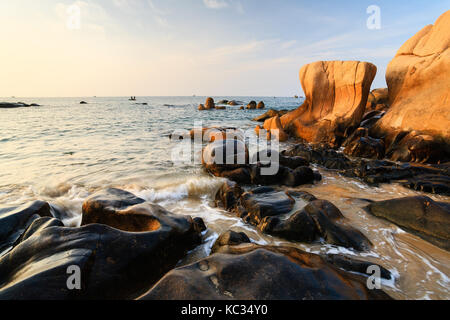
pixel 419 91
pixel 336 98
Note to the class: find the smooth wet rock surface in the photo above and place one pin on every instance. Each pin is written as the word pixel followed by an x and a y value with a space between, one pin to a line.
pixel 262 273
pixel 421 215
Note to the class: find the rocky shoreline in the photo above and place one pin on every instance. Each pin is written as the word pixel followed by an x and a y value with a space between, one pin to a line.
pixel 129 248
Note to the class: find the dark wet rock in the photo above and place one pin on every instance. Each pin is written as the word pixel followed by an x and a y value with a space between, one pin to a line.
pixel 241 175
pixel 270 114
pixel 300 176
pixel 319 219
pixel 13 105
pixel 114 264
pixel 359 144
pixel 252 272
pixel 353 265
pixel 374 172
pixel 265 202
pixel 261 105
pixel 416 147
pixel 225 155
pixel 431 183
pixel 199 225
pixel 223 102
pixel 320 154
pixel 14 221
pixel 284 176
pixel 230 238
pixel 252 105
pixel 423 216
pixel 83 102
pixel 306 196
pixel 293 162
pixel 124 211
pixel 201 107
pixel 229 195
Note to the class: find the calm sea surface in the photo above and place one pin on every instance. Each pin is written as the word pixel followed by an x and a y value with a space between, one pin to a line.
pixel 62 152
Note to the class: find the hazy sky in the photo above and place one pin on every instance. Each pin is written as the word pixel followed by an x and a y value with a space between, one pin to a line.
pixel 185 47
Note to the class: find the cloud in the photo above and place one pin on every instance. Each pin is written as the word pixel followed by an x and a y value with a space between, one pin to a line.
pixel 215 4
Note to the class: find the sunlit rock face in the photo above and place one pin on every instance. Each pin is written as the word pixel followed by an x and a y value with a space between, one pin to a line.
pixel 336 97
pixel 419 85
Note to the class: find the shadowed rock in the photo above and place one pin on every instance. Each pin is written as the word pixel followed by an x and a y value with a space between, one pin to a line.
pixel 114 264
pixel 14 221
pixel 428 219
pixel 251 272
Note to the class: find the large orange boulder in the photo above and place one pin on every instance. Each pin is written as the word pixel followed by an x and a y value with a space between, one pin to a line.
pixel 419 85
pixel 336 97
pixel 275 129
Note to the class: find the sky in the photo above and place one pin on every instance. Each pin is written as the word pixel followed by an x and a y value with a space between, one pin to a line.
pixel 68 48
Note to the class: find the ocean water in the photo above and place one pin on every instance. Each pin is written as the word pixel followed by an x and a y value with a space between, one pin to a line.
pixel 62 152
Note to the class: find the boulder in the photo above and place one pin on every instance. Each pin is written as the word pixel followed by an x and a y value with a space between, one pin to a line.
pixel 114 264
pixel 418 81
pixel 201 107
pixel 336 98
pixel 83 102
pixel 14 222
pixel 252 272
pixel 378 98
pixel 359 144
pixel 431 183
pixel 252 105
pixel 319 219
pixel 421 215
pixel 270 114
pixel 225 155
pixel 416 147
pixel 230 238
pixel 261 105
pixel 265 202
pixel 209 105
pixel 275 130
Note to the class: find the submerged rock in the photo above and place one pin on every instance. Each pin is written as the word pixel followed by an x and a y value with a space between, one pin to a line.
pixel 251 272
pixel 429 219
